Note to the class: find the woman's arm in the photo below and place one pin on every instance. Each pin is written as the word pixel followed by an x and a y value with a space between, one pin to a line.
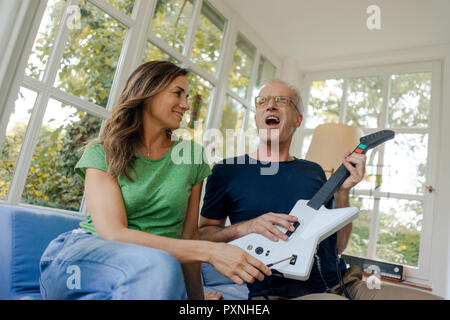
pixel 105 204
pixel 192 271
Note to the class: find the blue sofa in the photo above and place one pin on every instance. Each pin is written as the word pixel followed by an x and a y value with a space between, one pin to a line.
pixel 26 232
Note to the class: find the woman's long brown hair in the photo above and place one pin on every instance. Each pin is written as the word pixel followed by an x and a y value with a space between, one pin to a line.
pixel 124 129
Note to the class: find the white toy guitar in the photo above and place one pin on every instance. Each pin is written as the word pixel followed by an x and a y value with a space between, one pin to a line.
pixel 294 257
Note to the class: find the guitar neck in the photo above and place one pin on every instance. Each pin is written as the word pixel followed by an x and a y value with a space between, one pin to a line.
pixel 337 179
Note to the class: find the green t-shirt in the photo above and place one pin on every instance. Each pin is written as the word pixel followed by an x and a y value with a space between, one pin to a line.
pixel 157 200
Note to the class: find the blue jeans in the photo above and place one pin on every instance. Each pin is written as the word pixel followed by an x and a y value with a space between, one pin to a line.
pixel 80 265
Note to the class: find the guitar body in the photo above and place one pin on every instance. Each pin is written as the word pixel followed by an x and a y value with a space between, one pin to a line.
pixel 314 226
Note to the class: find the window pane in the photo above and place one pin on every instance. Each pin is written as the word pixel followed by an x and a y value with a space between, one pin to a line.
pixel 372 180
pixel 409 103
pixel 359 239
pixel 15 132
pixel 208 38
pixel 399 231
pixel 251 135
pixel 203 88
pixel 230 126
pixel 45 39
pixel 266 71
pixel 305 145
pixel 91 55
pixel 324 102
pixel 405 161
pixel 123 5
pixel 51 179
pixel 241 69
pixel 364 100
pixel 171 21
pixel 153 53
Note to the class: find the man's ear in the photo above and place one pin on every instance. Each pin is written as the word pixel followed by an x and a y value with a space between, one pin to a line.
pixel 299 120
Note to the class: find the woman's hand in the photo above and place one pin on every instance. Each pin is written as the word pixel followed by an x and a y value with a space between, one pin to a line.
pixel 236 264
pixel 213 295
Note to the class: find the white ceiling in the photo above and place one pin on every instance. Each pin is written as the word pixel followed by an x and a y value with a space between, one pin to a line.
pixel 316 29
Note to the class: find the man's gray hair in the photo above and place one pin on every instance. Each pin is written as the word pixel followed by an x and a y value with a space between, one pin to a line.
pixel 298 99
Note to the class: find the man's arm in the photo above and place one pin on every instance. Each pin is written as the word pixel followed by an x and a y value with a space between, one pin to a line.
pixel 215 230
pixel 343 235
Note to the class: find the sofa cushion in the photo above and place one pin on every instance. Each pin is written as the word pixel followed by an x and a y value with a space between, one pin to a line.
pixel 24 235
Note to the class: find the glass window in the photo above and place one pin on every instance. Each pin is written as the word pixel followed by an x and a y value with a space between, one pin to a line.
pixel 123 5
pixel 410 100
pixel 241 68
pixel 230 126
pixel 374 176
pixel 152 53
pixel 364 99
pixel 45 39
pixel 15 132
pixel 401 171
pixel 171 21
pixel 405 166
pixel 208 38
pixel 266 71
pixel 307 137
pixel 359 239
pixel 51 180
pixel 91 56
pixel 399 231
pixel 251 134
pixel 200 92
pixel 324 102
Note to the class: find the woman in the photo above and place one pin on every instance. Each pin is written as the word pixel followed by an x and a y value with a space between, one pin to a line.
pixel 143 208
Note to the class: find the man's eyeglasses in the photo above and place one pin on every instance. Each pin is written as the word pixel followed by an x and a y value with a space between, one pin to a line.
pixel 281 101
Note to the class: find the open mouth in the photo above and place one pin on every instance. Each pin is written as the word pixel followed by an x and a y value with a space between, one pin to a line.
pixel 272 121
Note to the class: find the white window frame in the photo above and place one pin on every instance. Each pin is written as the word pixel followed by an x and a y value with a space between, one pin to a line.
pixel 240 26
pixel 422 273
pixel 137 35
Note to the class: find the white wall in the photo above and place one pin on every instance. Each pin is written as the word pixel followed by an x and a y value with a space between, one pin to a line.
pixel 440 254
pixel 8 15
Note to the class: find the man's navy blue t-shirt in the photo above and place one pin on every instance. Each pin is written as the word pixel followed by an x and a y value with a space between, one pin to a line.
pixel 236 189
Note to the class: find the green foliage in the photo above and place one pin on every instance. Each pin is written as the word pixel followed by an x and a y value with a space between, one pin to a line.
pixel 241 68
pixel 325 104
pixel 9 155
pixel 208 39
pixel 51 179
pixel 171 21
pixel 91 55
pixel 364 101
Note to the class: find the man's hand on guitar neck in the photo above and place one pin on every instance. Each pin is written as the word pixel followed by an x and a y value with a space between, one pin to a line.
pixel 356 165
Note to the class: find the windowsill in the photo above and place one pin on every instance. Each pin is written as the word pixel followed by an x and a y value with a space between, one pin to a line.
pixel 405 283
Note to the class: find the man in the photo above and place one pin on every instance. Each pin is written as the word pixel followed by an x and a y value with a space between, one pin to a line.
pixel 256 203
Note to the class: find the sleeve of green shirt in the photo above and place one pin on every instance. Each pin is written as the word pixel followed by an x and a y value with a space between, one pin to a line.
pixel 93 157
pixel 201 167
